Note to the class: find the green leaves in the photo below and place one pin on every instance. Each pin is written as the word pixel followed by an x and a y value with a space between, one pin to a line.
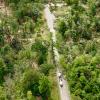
pixel 2 68
pixel 37 83
pixel 16 44
pixel 27 10
pixel 45 68
pixel 80 31
pixel 30 81
pixel 44 86
pixel 2 94
pixel 95 60
pixel 83 76
pixel 41 49
pixel 19 62
pixel 1 40
pixel 62 28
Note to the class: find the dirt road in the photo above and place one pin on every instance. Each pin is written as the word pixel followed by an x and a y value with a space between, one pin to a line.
pixel 50 18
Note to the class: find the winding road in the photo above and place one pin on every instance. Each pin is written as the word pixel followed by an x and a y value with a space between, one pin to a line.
pixel 50 18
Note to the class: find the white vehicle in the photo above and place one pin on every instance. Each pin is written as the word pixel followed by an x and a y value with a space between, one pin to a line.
pixel 61 83
pixel 59 74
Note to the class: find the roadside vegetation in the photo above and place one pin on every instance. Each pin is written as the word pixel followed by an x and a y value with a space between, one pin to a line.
pixel 26 66
pixel 27 70
pixel 79 46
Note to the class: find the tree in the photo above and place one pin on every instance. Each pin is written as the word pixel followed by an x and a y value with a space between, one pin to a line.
pixel 16 44
pixel 12 1
pixel 28 28
pixel 9 61
pixel 26 9
pixel 30 81
pixel 41 49
pixel 2 68
pixel 62 28
pixel 69 2
pixel 95 60
pixel 92 7
pixel 1 40
pixel 97 24
pixel 45 68
pixel 6 50
pixel 44 87
pixel 78 61
pixel 3 95
pixel 30 96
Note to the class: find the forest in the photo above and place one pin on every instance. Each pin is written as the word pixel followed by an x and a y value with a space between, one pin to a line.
pixel 24 69
pixel 27 60
pixel 79 46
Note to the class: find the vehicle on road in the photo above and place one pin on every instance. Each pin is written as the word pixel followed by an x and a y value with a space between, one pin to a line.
pixel 59 75
pixel 61 83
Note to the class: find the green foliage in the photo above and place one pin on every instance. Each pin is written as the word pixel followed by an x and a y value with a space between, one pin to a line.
pixel 28 27
pixel 41 49
pixel 84 1
pixel 30 81
pixel 81 61
pixel 95 60
pixel 38 84
pixel 29 96
pixel 16 44
pixel 74 25
pixel 45 68
pixel 19 78
pixel 27 10
pixel 1 40
pixel 44 87
pixel 80 54
pixel 2 67
pixel 92 7
pixel 2 94
pixel 97 24
pixel 38 47
pixel 12 1
pixel 91 47
pixel 26 54
pixel 62 28
pixel 6 49
pixel 70 2
pixel 7 61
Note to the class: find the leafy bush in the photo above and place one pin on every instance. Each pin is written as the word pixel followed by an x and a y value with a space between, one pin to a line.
pixel 2 68
pixel 39 85
pixel 27 10
pixel 41 49
pixel 3 95
pixel 16 44
pixel 81 60
pixel 62 28
pixel 45 68
pixel 44 87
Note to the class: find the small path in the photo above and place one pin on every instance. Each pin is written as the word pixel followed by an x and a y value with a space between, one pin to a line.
pixel 50 18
